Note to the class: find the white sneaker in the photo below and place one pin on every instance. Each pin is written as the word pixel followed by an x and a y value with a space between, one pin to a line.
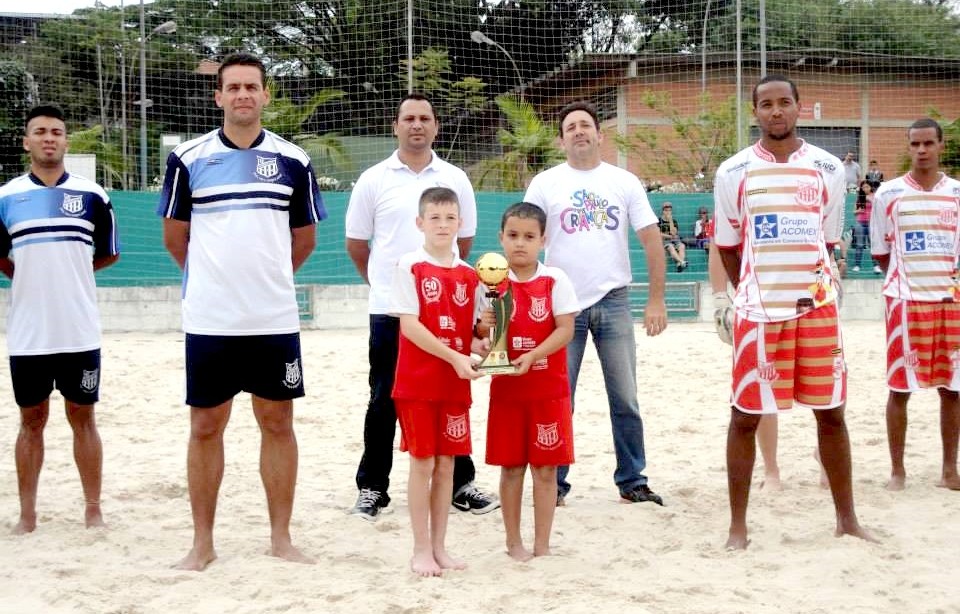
pixel 856 269
pixel 877 269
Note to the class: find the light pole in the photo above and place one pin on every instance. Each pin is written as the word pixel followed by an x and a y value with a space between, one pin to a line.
pixel 167 27
pixel 480 38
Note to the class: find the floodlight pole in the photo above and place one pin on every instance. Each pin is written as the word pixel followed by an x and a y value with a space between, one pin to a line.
pixel 480 38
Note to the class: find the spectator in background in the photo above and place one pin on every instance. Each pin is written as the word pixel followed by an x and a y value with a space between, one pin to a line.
pixel 670 231
pixel 851 171
pixel 703 229
pixel 861 232
pixel 874 175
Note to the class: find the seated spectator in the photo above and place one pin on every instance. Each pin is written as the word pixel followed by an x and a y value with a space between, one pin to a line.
pixel 672 241
pixel 703 229
pixel 874 175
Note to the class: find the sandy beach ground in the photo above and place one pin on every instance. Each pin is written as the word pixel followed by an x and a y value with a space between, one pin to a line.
pixel 608 557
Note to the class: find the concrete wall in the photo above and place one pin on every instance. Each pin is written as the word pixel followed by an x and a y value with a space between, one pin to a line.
pixel 156 309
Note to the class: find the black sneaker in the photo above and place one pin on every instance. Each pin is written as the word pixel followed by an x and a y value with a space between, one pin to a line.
pixel 470 499
pixel 370 503
pixel 641 494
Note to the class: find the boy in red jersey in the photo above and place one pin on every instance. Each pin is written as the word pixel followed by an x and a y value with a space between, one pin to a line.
pixel 531 419
pixel 435 297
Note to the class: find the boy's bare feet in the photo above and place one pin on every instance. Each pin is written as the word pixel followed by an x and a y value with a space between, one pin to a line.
pixel 24 526
pixel 446 561
pixel 896 483
pixel 771 482
pixel 424 565
pixel 197 559
pixel 544 551
pixel 951 482
pixel 93 517
pixel 518 553
pixel 737 540
pixel 855 530
pixel 289 552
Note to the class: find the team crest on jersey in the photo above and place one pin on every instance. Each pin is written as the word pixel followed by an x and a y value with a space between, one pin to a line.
pixel 267 167
pixel 948 218
pixel 548 436
pixel 765 227
pixel 911 360
pixel 457 429
pixel 538 309
pixel 807 193
pixel 460 296
pixel 72 204
pixel 767 372
pixel 292 378
pixel 90 380
pixel 915 241
pixel 430 289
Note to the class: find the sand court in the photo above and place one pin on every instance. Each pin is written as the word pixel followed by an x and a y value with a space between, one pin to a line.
pixel 608 557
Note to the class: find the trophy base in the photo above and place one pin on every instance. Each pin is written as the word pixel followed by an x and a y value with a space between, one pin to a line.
pixel 496 363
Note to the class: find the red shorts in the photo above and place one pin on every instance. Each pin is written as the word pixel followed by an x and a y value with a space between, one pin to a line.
pixel 923 345
pixel 539 433
pixel 777 363
pixel 433 428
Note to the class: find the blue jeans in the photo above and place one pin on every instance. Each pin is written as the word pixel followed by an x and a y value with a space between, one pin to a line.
pixel 380 423
pixel 611 325
pixel 861 240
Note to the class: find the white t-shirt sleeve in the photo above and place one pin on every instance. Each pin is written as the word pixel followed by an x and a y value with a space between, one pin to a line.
pixel 468 208
pixel 641 213
pixel 534 195
pixel 880 224
pixel 564 295
pixel 403 295
pixel 360 210
pixel 725 188
pixel 836 205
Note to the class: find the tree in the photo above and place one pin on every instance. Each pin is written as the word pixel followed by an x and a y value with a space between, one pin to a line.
pixel 529 146
pixel 18 92
pixel 698 143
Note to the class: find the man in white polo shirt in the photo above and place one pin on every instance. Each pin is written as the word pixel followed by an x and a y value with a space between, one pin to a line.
pixel 381 227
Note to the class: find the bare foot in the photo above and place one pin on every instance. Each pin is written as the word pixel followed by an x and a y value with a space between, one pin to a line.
pixel 855 530
pixel 24 526
pixel 289 552
pixel 952 482
pixel 93 518
pixel 737 541
pixel 446 561
pixel 197 560
pixel 424 565
pixel 896 483
pixel 518 553
pixel 771 483
pixel 541 551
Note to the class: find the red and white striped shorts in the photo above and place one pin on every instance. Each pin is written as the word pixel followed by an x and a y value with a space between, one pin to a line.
pixel 777 363
pixel 923 345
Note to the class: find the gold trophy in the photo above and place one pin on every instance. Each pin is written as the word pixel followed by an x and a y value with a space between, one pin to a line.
pixel 492 269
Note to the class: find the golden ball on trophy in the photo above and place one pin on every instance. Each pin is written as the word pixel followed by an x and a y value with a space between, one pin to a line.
pixel 492 269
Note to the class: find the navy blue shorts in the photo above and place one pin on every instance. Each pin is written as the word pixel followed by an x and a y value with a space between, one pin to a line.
pixel 75 374
pixel 218 367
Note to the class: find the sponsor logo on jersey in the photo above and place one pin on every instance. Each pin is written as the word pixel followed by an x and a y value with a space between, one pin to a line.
pixel 89 380
pixel 911 360
pixel 838 367
pixel 955 360
pixel 72 205
pixel 447 323
pixel 516 343
pixel 915 241
pixel 457 429
pixel 767 372
pixel 756 191
pixel 430 289
pixel 825 166
pixel 292 377
pixel 460 296
pixel 738 167
pixel 267 168
pixel 538 309
pixel 765 227
pixel 807 193
pixel 548 436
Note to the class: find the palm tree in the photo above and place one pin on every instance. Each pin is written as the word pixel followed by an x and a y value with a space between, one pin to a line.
pixel 529 146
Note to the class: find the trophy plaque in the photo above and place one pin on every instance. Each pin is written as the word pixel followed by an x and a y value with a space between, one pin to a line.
pixel 492 268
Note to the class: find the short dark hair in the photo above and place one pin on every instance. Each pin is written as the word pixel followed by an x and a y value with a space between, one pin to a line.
pixel 241 59
pixel 437 195
pixel 44 110
pixel 776 78
pixel 578 105
pixel 926 122
pixel 417 96
pixel 525 211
